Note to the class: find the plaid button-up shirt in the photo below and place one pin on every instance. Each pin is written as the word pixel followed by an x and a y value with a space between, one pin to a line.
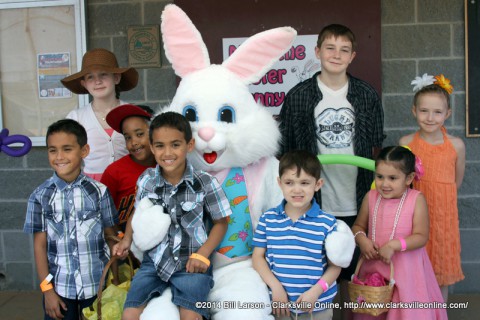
pixel 73 216
pixel 195 199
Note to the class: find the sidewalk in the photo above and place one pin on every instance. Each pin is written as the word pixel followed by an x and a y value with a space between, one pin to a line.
pixel 27 305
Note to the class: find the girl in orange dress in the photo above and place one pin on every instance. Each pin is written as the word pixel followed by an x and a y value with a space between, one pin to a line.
pixel 443 158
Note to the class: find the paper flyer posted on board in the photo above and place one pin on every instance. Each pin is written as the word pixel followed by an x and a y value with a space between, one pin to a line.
pixel 51 68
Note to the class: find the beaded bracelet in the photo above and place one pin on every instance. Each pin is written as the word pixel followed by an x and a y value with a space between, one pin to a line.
pixel 359 232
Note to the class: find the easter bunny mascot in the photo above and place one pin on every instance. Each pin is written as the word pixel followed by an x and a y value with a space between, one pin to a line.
pixel 235 140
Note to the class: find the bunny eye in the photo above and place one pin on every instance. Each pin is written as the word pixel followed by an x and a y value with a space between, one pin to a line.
pixel 226 114
pixel 190 113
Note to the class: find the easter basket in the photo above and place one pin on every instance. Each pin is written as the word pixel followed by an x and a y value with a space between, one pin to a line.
pixel 369 299
pixel 109 302
pixel 110 298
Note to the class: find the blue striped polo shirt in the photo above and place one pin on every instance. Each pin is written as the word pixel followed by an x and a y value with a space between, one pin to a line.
pixel 295 251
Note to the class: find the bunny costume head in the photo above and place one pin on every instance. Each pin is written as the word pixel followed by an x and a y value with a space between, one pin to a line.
pixel 230 128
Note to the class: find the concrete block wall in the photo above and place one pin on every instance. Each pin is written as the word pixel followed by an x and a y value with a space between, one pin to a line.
pixel 428 36
pixel 107 22
pixel 418 36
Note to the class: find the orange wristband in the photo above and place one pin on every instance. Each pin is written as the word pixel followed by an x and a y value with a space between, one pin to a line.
pixel 46 283
pixel 201 258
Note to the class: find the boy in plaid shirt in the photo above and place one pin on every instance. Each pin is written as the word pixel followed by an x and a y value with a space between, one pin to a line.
pixel 181 260
pixel 68 215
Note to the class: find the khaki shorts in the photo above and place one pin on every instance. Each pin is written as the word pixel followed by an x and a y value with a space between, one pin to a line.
pixel 326 314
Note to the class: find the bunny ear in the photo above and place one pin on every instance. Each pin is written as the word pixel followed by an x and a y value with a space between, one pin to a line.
pixel 183 44
pixel 258 53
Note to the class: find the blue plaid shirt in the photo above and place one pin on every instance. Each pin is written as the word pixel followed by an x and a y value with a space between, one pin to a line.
pixel 187 202
pixel 73 216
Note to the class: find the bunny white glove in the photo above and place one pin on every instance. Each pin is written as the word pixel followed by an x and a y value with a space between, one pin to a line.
pixel 340 245
pixel 150 224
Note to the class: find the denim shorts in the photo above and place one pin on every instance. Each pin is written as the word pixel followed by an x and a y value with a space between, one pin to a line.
pixel 187 288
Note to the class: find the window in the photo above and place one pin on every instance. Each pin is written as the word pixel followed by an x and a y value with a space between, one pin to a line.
pixel 40 43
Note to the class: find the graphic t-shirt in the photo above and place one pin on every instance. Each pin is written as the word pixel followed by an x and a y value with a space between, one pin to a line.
pixel 121 179
pixel 335 129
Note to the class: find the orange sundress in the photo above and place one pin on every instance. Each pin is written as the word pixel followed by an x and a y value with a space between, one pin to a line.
pixel 439 187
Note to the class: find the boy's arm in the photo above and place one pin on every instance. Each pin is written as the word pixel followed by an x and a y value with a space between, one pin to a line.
pixel 310 296
pixel 53 302
pixel 121 248
pixel 216 235
pixel 109 233
pixel 278 292
pixel 378 135
pixel 285 127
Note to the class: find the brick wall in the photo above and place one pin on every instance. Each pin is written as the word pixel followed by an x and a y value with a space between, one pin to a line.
pixel 418 36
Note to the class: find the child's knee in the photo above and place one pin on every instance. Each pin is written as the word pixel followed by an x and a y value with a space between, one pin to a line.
pixel 186 314
pixel 132 313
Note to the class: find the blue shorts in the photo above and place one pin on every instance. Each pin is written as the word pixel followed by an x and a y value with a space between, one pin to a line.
pixel 187 288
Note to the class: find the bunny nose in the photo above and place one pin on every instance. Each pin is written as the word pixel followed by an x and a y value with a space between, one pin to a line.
pixel 206 133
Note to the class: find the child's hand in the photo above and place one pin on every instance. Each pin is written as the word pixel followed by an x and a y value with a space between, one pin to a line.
pixel 121 248
pixel 386 252
pixel 196 266
pixel 53 303
pixel 280 295
pixel 308 298
pixel 368 248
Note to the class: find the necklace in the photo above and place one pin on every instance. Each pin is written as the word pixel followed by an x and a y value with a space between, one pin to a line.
pixel 100 114
pixel 397 215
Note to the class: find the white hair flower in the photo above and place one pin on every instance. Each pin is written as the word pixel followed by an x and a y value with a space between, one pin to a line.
pixel 422 81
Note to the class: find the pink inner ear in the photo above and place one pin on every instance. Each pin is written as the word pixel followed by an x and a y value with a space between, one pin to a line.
pixel 258 53
pixel 183 43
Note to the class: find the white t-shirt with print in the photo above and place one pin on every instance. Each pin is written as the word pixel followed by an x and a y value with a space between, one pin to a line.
pixel 335 128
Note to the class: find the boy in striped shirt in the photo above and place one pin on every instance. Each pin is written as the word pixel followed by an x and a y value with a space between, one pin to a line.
pixel 289 251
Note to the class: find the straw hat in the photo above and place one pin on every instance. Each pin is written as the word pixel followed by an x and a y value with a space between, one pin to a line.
pixel 117 115
pixel 105 60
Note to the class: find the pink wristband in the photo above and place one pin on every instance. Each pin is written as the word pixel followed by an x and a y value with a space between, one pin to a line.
pixel 323 284
pixel 403 243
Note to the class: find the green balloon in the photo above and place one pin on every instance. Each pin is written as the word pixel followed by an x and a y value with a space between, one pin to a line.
pixel 347 159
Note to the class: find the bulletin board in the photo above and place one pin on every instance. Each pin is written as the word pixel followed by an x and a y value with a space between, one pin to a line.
pixel 40 43
pixel 472 67
pixel 232 18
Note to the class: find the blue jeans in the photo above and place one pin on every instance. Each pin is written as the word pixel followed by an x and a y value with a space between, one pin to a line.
pixel 187 288
pixel 74 308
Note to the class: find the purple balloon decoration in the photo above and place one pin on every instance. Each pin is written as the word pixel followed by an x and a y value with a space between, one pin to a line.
pixel 6 140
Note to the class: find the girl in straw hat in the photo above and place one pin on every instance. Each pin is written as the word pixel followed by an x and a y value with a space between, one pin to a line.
pixel 103 80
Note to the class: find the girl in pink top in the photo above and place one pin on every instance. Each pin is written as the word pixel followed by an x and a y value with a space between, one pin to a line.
pixel 392 226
